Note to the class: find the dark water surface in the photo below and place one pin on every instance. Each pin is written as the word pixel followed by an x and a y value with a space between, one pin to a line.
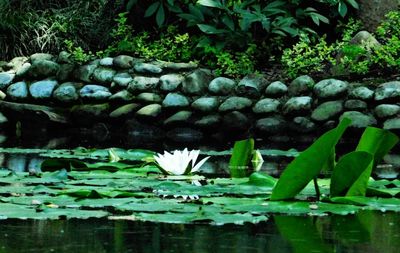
pixel 366 232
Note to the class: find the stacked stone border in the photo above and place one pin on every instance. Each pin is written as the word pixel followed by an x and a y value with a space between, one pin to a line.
pixel 178 97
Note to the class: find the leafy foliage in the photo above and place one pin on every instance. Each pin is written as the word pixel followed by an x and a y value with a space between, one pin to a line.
pixel 350 175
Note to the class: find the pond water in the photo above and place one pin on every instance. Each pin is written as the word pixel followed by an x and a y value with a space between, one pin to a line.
pixel 281 234
pixel 367 231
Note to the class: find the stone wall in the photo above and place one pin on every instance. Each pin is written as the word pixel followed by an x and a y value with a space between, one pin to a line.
pixel 173 99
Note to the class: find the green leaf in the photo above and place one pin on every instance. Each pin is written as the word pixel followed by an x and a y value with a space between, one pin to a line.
pixel 152 9
pixel 351 174
pixel 208 29
pixel 308 164
pixel 377 142
pixel 130 4
pixel 261 179
pixel 211 3
pixel 241 157
pixel 342 9
pixel 353 3
pixel 160 17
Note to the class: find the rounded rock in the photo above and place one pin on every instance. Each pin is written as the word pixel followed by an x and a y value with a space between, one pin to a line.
pixel 178 118
pixel 103 75
pixel 297 105
pixel 171 82
pixel 107 62
pixel 197 82
pixel 175 100
pixel 358 119
pixel 327 110
pixel 85 72
pixel 270 125
pixel 235 103
pixel 330 88
pixel 95 92
pixel 209 121
pixel 276 89
pixel 222 86
pixel 122 96
pixel 124 110
pixel 42 89
pixel 123 61
pixel 206 104
pixel 355 105
pixel 362 93
pixel 150 111
pixel 149 97
pixel 122 79
pixel 141 83
pixel 387 110
pixel 236 121
pixel 303 125
pixel 267 105
pixel 301 85
pixel 392 124
pixel 389 90
pixel 147 68
pixel 18 90
pixel 6 79
pixel 44 68
pixel 66 92
pixel 251 86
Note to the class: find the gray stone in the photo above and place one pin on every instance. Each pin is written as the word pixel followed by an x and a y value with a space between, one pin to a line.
pixel 331 88
pixel 85 72
pixel 18 90
pixel 387 110
pixel 355 105
pixel 64 74
pixel 358 119
pixel 267 105
pixel 44 68
pixel 209 121
pixel 95 92
pixel 2 96
pixel 150 111
pixel 177 66
pixel 123 61
pixel 122 79
pixel 327 110
pixel 41 57
pixel 301 85
pixel 147 68
pixel 175 100
pixel 297 105
pixel 6 79
pixel 185 135
pixel 392 124
pixel 178 118
pixel 124 111
pixel 17 62
pixel 366 40
pixel 23 70
pixel 149 97
pixel 206 104
pixel 303 125
pixel 251 86
pixel 222 86
pixel 103 75
pixel 235 103
pixel 141 83
pixel 276 89
pixel 107 62
pixel 389 90
pixel 64 57
pixel 270 125
pixel 42 89
pixel 197 82
pixel 66 92
pixel 362 93
pixel 171 82
pixel 122 96
pixel 235 121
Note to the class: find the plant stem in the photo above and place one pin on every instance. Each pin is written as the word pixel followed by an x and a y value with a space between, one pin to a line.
pixel 318 193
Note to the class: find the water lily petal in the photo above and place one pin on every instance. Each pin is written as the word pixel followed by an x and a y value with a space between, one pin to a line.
pixel 193 156
pixel 198 165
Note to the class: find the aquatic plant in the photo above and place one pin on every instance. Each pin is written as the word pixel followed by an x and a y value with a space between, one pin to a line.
pixel 179 162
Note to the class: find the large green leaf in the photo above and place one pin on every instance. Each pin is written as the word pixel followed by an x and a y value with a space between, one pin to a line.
pixel 377 142
pixel 308 164
pixel 241 157
pixel 351 174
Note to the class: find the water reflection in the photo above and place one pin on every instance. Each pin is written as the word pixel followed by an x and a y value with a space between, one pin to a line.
pixel 365 232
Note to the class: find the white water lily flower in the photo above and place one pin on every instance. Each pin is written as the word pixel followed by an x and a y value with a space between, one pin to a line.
pixel 179 162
